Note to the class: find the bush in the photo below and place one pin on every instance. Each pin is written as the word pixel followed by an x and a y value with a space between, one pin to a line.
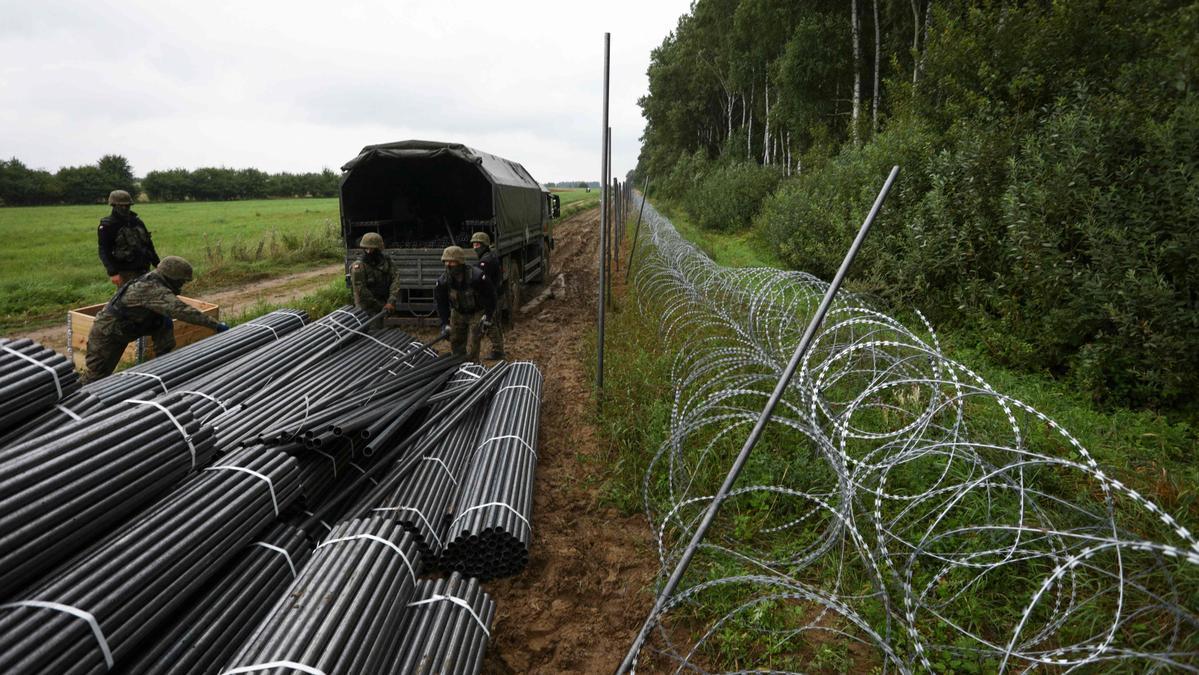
pixel 1101 255
pixel 727 197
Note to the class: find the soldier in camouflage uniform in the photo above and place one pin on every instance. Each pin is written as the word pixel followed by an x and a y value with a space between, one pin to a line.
pixel 465 303
pixel 489 264
pixel 375 281
pixel 125 245
pixel 144 306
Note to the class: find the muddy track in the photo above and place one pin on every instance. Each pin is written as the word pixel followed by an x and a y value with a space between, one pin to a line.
pixel 581 600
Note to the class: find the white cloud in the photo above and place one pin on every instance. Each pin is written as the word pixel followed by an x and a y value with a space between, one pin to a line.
pixel 298 86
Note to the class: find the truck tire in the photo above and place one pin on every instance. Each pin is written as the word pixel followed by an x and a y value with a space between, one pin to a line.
pixel 544 273
pixel 512 293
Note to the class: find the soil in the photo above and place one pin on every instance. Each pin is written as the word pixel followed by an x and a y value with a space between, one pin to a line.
pixel 578 605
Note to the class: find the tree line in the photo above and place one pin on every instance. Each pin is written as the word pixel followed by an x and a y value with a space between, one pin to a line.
pixel 90 184
pixel 1046 207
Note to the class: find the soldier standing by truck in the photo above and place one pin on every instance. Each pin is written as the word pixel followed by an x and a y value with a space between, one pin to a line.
pixel 375 282
pixel 465 303
pixel 126 248
pixel 489 264
pixel 144 306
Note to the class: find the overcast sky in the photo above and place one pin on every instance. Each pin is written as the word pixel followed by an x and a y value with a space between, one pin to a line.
pixel 298 86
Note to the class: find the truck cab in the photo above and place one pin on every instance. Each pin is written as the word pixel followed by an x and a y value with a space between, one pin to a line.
pixel 422 196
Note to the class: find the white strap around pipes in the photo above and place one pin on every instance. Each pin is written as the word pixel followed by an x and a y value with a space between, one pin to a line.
pixel 274 664
pixel 294 315
pixel 500 438
pixel 286 555
pixel 444 466
pixel 357 321
pixel 182 432
pixel 150 375
pixel 310 514
pixel 328 457
pixel 73 611
pixel 457 601
pixel 489 504
pixel 269 485
pixel 263 325
pixel 521 386
pixel 206 396
pixel 420 515
pixel 375 538
pixel 68 412
pixel 39 364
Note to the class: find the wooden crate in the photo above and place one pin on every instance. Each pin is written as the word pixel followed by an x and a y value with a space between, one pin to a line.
pixel 79 324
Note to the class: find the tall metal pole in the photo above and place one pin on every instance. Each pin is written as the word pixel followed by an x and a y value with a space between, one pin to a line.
pixel 637 230
pixel 599 366
pixel 608 223
pixel 800 350
pixel 618 236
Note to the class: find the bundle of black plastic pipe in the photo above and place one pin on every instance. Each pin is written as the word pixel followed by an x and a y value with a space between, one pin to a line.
pixel 492 528
pixel 215 621
pixel 32 379
pixel 420 503
pixel 169 371
pixel 71 410
pixel 354 407
pixel 342 614
pixel 358 360
pixel 399 459
pixel 223 391
pixel 61 492
pixel 92 612
pixel 447 628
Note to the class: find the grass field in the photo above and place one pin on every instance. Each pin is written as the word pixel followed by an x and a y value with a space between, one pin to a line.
pixel 49 261
pixel 574 200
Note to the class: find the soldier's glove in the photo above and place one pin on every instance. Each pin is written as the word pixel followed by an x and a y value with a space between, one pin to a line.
pixel 445 331
pixel 222 327
pixel 390 308
pixel 485 322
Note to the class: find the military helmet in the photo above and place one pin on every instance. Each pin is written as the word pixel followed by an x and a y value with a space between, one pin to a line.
pixel 480 237
pixel 175 268
pixel 119 197
pixel 371 240
pixel 453 254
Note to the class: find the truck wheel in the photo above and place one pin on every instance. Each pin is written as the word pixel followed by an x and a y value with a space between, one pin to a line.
pixel 512 294
pixel 544 274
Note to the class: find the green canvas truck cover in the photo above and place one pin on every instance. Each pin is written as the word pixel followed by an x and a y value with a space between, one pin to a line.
pixel 516 197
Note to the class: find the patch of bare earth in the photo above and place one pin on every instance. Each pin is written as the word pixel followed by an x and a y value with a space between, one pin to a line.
pixel 577 606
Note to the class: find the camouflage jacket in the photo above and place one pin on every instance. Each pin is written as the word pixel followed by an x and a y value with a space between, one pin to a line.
pixel 472 293
pixel 125 243
pixel 140 305
pixel 375 284
pixel 489 263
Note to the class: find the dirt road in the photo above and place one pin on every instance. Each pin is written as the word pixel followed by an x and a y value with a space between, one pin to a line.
pixel 580 601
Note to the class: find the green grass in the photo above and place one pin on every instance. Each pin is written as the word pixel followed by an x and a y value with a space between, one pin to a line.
pixel 742 249
pixel 1149 452
pixel 574 200
pixel 316 304
pixel 49 262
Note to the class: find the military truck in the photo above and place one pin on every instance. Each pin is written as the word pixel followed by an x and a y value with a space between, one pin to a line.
pixel 422 196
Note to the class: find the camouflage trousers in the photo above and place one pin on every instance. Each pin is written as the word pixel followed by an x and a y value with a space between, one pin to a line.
pixel 496 335
pixel 108 339
pixel 465 334
pixel 370 305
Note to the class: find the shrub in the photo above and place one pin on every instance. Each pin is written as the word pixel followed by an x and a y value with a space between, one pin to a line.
pixel 727 197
